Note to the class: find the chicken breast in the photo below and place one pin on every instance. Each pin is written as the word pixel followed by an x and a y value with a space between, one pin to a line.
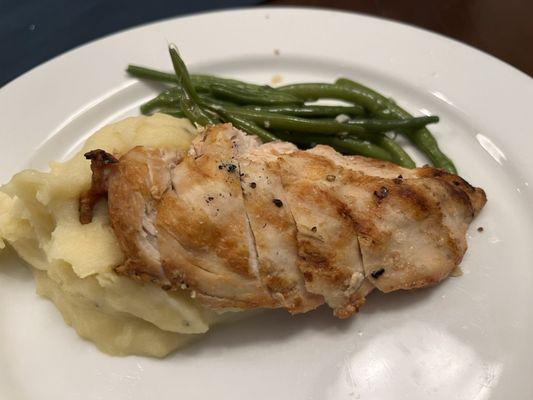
pixel 241 224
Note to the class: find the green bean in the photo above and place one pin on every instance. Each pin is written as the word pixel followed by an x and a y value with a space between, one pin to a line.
pixel 197 80
pixel 208 99
pixel 194 112
pixel 151 105
pixel 398 155
pixel 188 99
pixel 245 93
pixel 343 145
pixel 359 147
pixel 385 108
pixel 207 80
pixel 171 97
pixel 380 125
pixel 167 98
pixel 244 96
pixel 247 126
pixel 311 110
pixel 177 96
pixel 297 124
pixel 363 129
pixel 175 112
pixel 152 74
pixel 227 87
pixel 182 74
pixel 315 91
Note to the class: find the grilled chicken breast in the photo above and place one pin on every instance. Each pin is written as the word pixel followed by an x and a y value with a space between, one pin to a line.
pixel 242 224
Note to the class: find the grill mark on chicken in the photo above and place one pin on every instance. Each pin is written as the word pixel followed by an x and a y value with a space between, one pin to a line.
pixel 279 227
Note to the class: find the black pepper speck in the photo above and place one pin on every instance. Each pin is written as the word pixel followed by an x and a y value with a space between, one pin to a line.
pixel 398 179
pixel 253 185
pixel 381 193
pixel 377 273
pixel 277 202
pixel 231 167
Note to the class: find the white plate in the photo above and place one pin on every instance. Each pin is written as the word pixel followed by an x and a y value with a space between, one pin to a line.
pixel 468 338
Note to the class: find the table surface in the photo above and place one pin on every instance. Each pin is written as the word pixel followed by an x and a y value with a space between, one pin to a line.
pixel 501 28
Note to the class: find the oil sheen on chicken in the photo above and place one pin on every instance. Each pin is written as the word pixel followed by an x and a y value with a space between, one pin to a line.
pixel 243 225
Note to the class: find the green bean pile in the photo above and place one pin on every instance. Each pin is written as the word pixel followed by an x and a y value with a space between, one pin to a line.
pixel 284 113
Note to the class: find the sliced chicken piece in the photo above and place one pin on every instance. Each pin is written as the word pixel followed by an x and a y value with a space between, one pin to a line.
pixel 137 183
pixel 411 231
pixel 459 200
pixel 273 226
pixel 329 256
pixel 204 235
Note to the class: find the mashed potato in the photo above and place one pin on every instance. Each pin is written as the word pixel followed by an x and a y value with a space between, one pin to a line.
pixel 73 263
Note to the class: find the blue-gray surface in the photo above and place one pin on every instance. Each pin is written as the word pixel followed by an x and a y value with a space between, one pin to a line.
pixel 34 31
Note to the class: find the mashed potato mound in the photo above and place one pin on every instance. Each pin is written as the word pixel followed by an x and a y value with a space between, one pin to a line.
pixel 73 263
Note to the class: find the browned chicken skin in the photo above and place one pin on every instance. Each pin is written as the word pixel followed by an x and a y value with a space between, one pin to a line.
pixel 244 225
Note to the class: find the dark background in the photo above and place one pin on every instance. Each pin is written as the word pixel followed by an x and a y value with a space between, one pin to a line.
pixel 33 31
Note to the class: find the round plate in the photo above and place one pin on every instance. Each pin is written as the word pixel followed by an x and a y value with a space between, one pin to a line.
pixel 467 338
